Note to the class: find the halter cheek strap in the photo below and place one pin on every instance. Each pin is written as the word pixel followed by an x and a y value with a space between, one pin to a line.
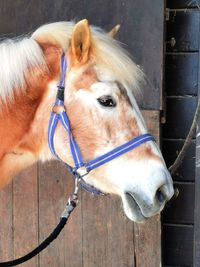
pixel 61 116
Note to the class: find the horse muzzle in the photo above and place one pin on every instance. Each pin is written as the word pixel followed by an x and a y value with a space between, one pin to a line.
pixel 140 204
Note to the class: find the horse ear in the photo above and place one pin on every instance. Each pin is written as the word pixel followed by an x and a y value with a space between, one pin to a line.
pixel 114 31
pixel 81 42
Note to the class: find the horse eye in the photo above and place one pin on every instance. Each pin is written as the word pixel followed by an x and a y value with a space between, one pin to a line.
pixel 107 101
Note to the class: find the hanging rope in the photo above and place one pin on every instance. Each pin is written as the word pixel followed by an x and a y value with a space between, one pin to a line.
pixel 173 168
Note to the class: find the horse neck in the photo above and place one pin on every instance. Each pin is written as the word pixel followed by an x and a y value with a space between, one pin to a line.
pixel 27 115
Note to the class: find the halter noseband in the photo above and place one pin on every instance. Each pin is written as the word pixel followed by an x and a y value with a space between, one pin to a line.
pixel 59 114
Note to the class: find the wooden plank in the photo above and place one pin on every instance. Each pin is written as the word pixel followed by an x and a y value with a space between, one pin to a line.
pixel 73 231
pixel 183 27
pixel 178 240
pixel 25 214
pixel 181 74
pixel 107 233
pixel 170 149
pixel 147 236
pixel 6 224
pixel 54 187
pixel 52 184
pixel 152 119
pixel 183 4
pixel 174 212
pixel 180 112
pixel 148 243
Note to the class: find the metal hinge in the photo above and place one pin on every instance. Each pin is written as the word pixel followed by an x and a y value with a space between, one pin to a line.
pixel 167 13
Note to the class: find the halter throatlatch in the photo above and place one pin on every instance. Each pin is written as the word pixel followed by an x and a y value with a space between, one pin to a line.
pixel 61 116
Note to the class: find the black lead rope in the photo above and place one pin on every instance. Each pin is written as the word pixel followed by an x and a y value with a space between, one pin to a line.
pixel 71 204
pixel 41 247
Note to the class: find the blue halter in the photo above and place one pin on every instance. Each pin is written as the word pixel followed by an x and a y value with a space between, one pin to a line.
pixel 75 151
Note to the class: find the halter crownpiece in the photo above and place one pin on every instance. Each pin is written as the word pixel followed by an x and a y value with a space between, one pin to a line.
pixel 59 114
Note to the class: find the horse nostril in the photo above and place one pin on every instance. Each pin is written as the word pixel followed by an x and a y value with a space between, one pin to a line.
pixel 160 195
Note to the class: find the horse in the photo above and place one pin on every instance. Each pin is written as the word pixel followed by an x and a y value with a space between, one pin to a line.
pixel 101 84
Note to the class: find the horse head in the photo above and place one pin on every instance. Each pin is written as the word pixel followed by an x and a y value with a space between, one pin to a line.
pixel 101 82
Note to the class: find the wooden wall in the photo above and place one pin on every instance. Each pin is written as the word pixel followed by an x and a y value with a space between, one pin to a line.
pixel 98 233
pixel 181 83
pixel 137 19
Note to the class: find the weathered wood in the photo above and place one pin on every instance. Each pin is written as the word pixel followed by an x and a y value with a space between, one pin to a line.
pixel 174 212
pixel 6 224
pixel 107 233
pixel 148 243
pixel 147 236
pixel 181 74
pixel 152 119
pixel 74 230
pixel 17 17
pixel 52 189
pixel 170 149
pixel 25 214
pixel 182 27
pixel 180 113
pixel 55 186
pixel 178 240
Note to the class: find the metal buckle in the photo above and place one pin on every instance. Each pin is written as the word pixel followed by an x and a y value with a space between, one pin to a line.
pixel 58 109
pixel 81 172
pixel 74 195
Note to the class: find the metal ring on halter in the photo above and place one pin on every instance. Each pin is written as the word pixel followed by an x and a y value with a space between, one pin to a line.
pixel 58 109
pixel 80 172
pixel 76 185
pixel 72 200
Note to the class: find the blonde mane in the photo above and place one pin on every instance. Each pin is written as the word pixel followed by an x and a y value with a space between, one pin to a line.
pixel 108 52
pixel 18 55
